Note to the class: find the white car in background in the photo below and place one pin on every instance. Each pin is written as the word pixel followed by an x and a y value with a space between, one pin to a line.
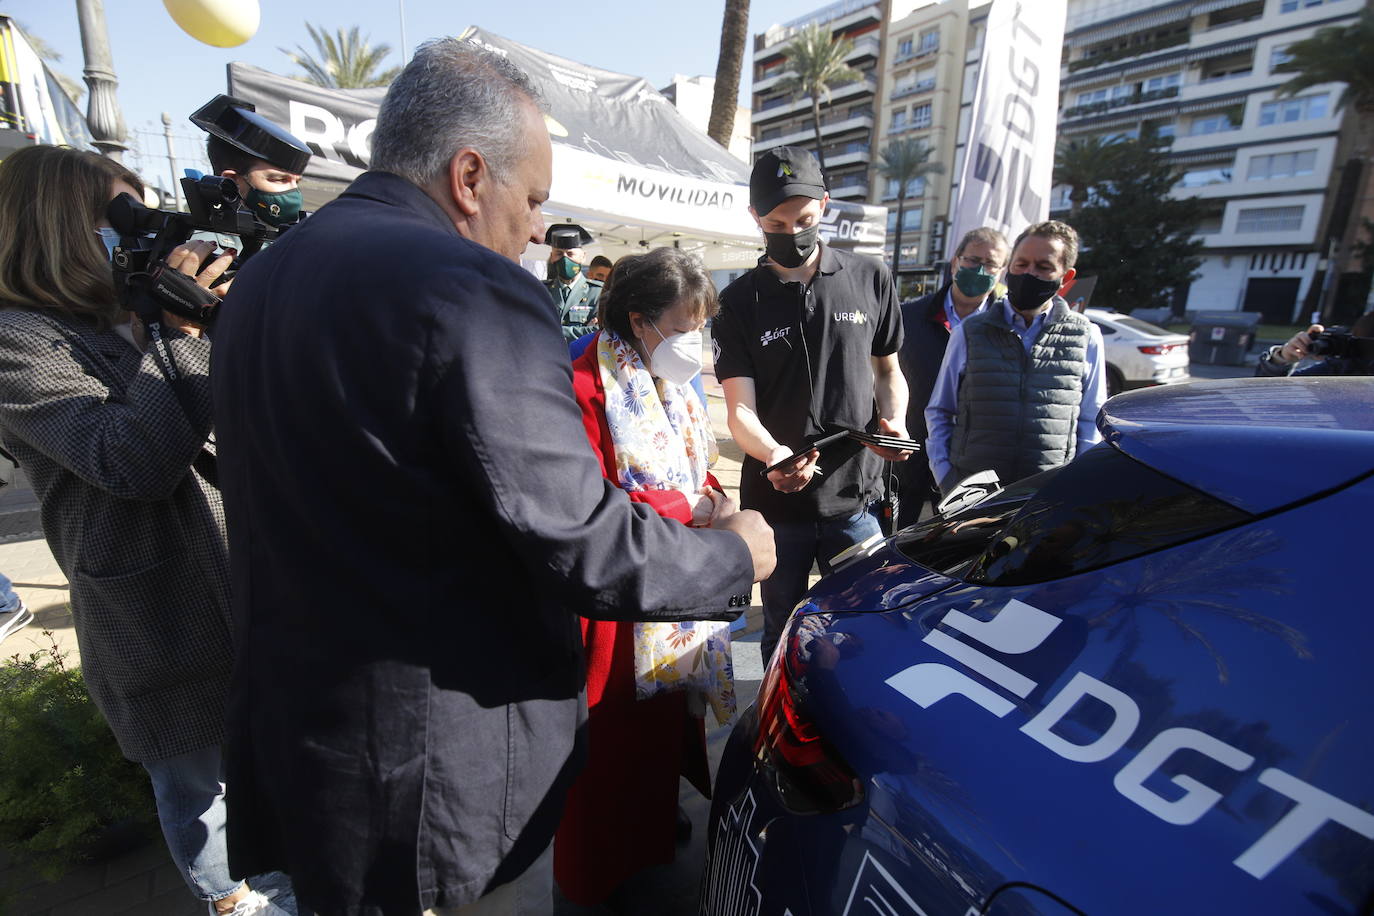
pixel 1139 354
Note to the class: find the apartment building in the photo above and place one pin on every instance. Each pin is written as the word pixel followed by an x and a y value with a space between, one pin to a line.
pixel 922 88
pixel 1202 72
pixel 692 97
pixel 847 117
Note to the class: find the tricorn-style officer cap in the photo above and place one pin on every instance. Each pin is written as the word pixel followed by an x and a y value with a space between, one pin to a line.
pixel 567 235
pixel 237 123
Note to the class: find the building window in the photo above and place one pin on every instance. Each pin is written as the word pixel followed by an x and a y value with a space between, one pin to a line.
pixel 1199 178
pixel 1215 123
pixel 1289 6
pixel 1285 111
pixel 1282 165
pixel 930 41
pixel 771 133
pixel 920 116
pixel 1278 56
pixel 899 119
pixel 904 47
pixel 1163 128
pixel 911 219
pixel 1270 219
pixel 916 187
pixel 1156 83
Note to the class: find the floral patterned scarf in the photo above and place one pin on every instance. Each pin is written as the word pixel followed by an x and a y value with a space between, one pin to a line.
pixel 663 441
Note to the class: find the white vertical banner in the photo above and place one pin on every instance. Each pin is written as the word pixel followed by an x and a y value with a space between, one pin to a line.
pixel 1008 163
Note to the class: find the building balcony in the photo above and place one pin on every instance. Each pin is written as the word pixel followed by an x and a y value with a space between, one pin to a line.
pixel 785 106
pixel 901 92
pixel 805 135
pixel 845 14
pixel 856 153
pixel 916 53
pixel 1137 50
pixel 1106 105
pixel 865 48
pixel 855 190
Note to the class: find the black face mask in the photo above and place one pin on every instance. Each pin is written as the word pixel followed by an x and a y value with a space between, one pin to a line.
pixel 1028 292
pixel 791 250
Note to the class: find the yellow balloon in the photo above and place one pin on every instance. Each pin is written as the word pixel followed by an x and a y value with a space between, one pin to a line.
pixel 221 23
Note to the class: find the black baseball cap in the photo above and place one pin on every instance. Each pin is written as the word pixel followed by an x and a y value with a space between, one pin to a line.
pixel 567 235
pixel 238 123
pixel 783 172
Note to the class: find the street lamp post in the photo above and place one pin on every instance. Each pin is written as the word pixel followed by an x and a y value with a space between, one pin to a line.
pixel 102 113
pixel 171 158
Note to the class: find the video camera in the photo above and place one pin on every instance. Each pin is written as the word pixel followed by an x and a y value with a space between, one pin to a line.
pixel 145 283
pixel 1340 343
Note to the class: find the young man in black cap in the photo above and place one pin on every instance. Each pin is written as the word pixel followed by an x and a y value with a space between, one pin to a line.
pixel 265 162
pixel 574 294
pixel 806 343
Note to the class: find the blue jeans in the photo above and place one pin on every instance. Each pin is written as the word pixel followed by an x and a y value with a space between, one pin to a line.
pixel 190 807
pixel 798 545
pixel 9 601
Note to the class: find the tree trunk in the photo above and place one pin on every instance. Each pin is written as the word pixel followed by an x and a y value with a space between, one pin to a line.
pixel 897 243
pixel 816 125
pixel 734 32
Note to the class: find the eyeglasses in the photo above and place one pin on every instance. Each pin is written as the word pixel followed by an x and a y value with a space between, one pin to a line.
pixel 987 264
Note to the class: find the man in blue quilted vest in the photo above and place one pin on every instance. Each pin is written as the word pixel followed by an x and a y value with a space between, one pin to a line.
pixel 1022 381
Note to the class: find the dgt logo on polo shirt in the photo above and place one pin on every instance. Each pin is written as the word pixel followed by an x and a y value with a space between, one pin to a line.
pixel 852 317
pixel 768 337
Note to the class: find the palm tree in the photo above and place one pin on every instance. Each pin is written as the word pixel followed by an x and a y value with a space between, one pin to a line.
pixel 815 65
pixel 346 60
pixel 1338 55
pixel 1341 55
pixel 734 32
pixel 904 161
pixel 1081 164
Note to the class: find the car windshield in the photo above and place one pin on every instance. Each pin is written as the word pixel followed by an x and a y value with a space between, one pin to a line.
pixel 1142 327
pixel 1102 508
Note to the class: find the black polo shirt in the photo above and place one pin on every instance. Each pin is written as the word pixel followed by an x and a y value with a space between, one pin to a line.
pixel 808 348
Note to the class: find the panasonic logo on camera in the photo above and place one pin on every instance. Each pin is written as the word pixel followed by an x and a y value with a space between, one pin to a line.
pixel 1018 629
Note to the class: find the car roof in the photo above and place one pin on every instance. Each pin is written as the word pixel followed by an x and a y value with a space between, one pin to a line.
pixel 1258 443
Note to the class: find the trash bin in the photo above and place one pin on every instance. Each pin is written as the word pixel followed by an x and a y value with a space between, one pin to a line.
pixel 1222 338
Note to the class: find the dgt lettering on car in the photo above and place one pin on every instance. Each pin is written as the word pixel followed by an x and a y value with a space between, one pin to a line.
pixel 1020 628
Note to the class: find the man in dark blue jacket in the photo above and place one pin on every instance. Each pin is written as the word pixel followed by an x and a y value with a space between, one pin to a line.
pixel 927 322
pixel 416 521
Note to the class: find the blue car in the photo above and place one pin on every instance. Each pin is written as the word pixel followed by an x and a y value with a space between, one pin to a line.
pixel 1142 683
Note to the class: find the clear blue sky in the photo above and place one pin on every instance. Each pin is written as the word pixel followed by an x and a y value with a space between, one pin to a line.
pixel 161 68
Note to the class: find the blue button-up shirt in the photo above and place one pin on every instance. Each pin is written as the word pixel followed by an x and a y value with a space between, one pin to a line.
pixel 942 410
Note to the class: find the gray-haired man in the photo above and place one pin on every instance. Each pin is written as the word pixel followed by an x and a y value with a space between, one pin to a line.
pixel 415 521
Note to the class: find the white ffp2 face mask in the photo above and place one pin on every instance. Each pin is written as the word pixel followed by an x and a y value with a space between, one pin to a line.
pixel 677 358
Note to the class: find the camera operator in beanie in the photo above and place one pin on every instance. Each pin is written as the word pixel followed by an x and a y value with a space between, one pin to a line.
pixel 574 294
pixel 265 162
pixel 806 343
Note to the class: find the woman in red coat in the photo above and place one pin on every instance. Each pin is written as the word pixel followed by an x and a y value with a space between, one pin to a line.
pixel 647 684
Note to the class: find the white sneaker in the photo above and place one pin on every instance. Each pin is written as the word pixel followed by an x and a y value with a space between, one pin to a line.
pixel 10 621
pixel 251 904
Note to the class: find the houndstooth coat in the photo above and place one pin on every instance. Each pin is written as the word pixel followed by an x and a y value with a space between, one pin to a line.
pixel 132 522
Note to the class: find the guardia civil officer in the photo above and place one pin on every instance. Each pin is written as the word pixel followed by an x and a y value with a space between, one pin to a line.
pixel 264 160
pixel 575 295
pixel 806 343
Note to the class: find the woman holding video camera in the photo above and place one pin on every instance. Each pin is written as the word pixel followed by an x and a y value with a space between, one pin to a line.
pixel 122 461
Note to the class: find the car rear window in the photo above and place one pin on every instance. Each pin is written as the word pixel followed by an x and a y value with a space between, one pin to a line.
pixel 1144 327
pixel 1102 508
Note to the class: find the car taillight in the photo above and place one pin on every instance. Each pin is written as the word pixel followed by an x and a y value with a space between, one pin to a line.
pixel 1159 349
pixel 809 776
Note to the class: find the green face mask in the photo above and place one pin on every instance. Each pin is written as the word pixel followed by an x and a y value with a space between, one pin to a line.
pixel 567 268
pixel 274 209
pixel 974 282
